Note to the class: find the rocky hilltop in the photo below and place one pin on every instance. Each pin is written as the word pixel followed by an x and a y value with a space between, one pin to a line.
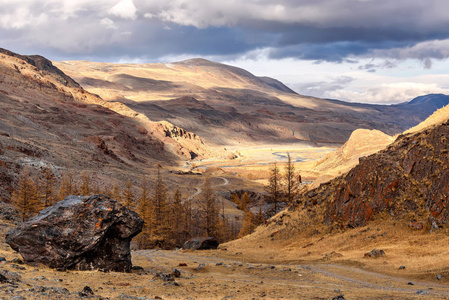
pixel 408 180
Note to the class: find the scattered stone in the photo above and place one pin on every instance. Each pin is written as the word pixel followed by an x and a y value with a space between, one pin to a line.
pixel 401 267
pixel 219 264
pixel 414 225
pixel 410 283
pixel 137 268
pixel 176 273
pixel 339 297
pixel 80 232
pixel 17 261
pixel 17 267
pixel 308 245
pixel 375 253
pixel 337 290
pixel 422 292
pixel 12 276
pixel 2 260
pixel 238 253
pixel 3 279
pixel 439 276
pixel 164 276
pixel 200 266
pixel 18 297
pixel 39 278
pixel 205 243
pixel 86 292
pixel 331 255
pixel 182 265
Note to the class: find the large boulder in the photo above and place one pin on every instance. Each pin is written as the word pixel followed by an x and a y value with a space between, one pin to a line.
pixel 204 243
pixel 81 233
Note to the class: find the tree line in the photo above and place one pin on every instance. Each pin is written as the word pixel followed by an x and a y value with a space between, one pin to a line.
pixel 170 219
pixel 283 188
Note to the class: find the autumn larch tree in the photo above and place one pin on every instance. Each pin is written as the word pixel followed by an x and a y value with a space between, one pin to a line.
pixel 291 183
pixel 128 195
pixel 159 226
pixel 67 186
pixel 274 187
pixel 177 220
pixel 26 197
pixel 48 188
pixel 145 212
pixel 208 208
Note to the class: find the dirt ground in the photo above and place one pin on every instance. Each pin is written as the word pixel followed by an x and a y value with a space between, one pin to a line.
pixel 258 268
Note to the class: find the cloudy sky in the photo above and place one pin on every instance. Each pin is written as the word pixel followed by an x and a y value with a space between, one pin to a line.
pixel 378 51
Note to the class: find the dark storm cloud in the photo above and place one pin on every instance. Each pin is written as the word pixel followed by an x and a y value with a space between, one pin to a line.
pixel 328 30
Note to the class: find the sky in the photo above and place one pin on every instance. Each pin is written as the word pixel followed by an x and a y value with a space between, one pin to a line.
pixel 373 51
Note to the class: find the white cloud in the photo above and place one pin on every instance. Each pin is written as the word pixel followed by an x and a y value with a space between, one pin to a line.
pixel 125 9
pixel 108 23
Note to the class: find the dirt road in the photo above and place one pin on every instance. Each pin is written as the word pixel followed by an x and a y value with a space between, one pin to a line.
pixel 209 276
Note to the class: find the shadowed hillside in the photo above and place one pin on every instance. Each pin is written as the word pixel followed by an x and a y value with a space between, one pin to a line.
pixel 233 106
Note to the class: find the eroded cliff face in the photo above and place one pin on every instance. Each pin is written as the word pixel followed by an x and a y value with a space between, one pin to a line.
pixel 409 180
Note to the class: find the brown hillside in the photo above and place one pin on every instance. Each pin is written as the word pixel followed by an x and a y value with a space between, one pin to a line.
pixel 239 108
pixel 409 180
pixel 48 120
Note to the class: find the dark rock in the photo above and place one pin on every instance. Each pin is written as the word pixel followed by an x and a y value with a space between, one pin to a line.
pixel 137 268
pixel 410 283
pixel 17 261
pixel 205 243
pixel 86 292
pixel 401 267
pixel 11 276
pixel 164 276
pixel 375 253
pixel 339 297
pixel 81 233
pixel 200 266
pixel 176 273
pixel 439 276
pixel 17 267
pixel 3 279
pixel 422 292
pixel 182 265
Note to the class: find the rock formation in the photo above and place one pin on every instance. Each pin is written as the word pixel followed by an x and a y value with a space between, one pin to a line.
pixel 408 180
pixel 205 243
pixel 80 232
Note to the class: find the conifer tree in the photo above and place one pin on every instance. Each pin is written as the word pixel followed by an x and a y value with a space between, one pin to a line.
pixel 290 181
pixel 244 202
pixel 248 225
pixel 67 186
pixel 274 187
pixel 85 188
pixel 128 195
pixel 48 187
pixel 145 213
pixel 177 220
pixel 160 211
pixel 26 197
pixel 116 193
pixel 208 208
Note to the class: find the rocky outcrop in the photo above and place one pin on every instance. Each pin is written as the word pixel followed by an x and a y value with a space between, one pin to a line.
pixel 81 233
pixel 205 243
pixel 409 180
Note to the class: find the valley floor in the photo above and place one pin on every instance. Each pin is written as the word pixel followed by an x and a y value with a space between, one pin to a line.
pixel 236 271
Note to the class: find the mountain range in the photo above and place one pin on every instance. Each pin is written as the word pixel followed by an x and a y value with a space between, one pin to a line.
pixel 226 105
